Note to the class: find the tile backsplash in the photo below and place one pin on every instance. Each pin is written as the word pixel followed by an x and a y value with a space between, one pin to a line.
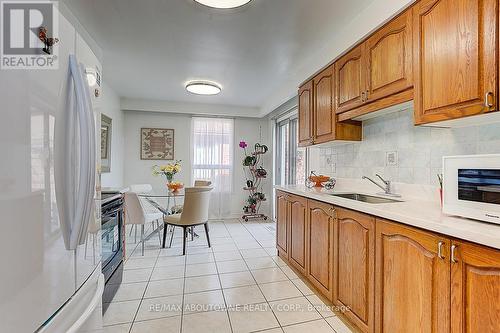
pixel 401 152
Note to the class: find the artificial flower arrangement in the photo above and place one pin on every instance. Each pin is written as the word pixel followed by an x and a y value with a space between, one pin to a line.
pixel 169 171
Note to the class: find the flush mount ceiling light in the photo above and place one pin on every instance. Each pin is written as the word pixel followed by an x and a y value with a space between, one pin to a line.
pixel 223 4
pixel 203 88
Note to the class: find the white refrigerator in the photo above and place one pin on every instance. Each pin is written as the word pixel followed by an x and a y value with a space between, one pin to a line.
pixel 50 265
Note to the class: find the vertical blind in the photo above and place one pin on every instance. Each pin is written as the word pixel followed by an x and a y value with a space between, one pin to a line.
pixel 212 159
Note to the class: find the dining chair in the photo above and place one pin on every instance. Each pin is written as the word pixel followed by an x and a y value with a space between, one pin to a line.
pixel 92 232
pixel 177 209
pixel 195 212
pixel 202 182
pixel 136 214
pixel 140 188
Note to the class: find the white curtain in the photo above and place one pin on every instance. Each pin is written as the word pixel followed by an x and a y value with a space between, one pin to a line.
pixel 212 158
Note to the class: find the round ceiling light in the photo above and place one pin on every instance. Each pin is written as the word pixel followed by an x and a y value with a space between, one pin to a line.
pixel 223 4
pixel 203 88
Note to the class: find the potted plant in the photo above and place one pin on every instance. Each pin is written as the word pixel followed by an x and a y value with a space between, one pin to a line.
pixel 169 171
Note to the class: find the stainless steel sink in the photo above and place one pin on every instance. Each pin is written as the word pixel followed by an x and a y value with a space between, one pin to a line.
pixel 365 198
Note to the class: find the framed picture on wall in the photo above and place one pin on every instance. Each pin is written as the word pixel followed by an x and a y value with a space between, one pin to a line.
pixel 106 123
pixel 157 144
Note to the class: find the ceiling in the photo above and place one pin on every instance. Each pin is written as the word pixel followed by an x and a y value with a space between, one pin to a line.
pixel 152 47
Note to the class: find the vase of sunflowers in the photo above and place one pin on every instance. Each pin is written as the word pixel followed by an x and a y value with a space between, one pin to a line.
pixel 169 171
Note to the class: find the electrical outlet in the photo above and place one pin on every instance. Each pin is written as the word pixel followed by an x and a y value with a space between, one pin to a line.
pixel 391 158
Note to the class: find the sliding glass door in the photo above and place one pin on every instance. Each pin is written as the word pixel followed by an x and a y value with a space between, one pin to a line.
pixel 290 159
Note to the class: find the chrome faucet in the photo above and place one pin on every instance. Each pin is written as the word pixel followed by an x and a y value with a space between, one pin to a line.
pixel 386 187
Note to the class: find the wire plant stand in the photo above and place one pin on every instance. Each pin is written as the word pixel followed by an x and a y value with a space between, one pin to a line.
pixel 255 174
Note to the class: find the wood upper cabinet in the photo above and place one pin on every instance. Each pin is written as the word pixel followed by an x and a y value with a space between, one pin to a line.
pixel 455 58
pixel 282 223
pixel 324 117
pixel 318 122
pixel 320 246
pixel 412 281
pixel 475 289
pixel 354 267
pixel 297 236
pixel 305 114
pixel 350 76
pixel 389 59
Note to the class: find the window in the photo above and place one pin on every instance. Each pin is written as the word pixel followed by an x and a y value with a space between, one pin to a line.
pixel 212 159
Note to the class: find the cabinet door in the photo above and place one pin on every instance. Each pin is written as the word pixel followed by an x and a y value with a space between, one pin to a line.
pixel 475 289
pixel 320 246
pixel 389 58
pixel 282 223
pixel 350 80
pixel 298 218
pixel 354 270
pixel 324 116
pixel 305 114
pixel 455 58
pixel 412 283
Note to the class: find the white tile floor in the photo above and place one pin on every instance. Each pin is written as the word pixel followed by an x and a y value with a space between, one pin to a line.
pixel 238 285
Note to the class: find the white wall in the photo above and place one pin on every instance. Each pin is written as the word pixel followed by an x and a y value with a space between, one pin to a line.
pixel 110 106
pixel 420 149
pixel 138 171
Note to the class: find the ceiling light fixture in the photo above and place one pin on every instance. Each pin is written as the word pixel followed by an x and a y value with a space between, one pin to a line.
pixel 223 4
pixel 203 88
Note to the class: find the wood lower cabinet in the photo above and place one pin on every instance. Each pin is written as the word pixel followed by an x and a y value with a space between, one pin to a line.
pixel 320 245
pixel 455 58
pixel 412 281
pixel 297 235
pixel 475 289
pixel 390 277
pixel 306 114
pixel 354 267
pixel 282 223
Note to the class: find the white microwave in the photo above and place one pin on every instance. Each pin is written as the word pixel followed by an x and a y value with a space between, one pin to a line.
pixel 471 187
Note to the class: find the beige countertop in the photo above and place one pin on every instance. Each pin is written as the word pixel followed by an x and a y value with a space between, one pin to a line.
pixel 413 210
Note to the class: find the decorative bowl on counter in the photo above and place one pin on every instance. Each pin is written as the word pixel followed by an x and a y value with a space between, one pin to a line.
pixel 175 186
pixel 318 180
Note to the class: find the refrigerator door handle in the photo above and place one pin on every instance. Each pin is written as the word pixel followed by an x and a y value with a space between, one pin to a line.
pixel 91 147
pixel 82 186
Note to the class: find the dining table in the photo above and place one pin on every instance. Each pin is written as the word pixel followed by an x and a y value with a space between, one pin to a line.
pixel 166 202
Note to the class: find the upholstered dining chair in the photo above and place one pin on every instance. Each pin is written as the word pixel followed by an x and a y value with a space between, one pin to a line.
pixel 195 212
pixel 178 208
pixel 136 214
pixel 202 182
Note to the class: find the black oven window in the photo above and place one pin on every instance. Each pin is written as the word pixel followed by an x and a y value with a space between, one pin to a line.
pixel 480 185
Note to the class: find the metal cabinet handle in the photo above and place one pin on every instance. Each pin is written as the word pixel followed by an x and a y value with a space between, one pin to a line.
pixel 362 96
pixel 366 98
pixel 453 248
pixel 487 103
pixel 440 250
